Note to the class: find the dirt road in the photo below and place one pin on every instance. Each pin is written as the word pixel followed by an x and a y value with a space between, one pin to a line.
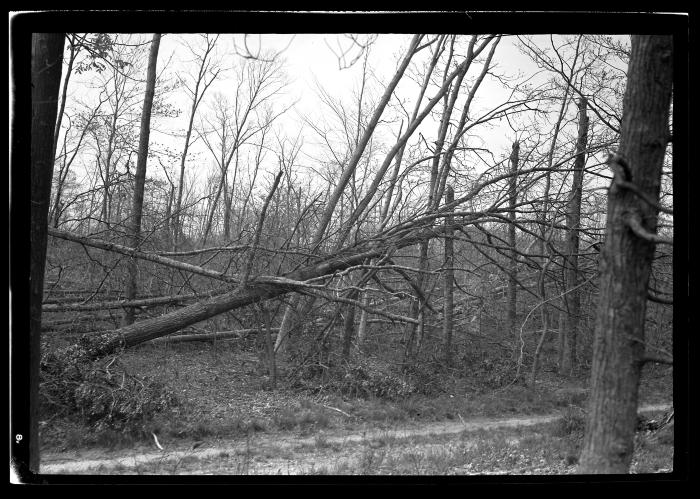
pixel 267 448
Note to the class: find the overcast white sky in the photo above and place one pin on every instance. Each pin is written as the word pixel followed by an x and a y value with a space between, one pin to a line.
pixel 310 58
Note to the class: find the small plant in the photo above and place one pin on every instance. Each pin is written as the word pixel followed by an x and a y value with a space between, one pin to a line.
pixel 572 423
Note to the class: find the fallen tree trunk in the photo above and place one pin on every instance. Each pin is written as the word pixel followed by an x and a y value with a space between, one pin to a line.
pixel 141 302
pixel 141 255
pixel 220 335
pixel 262 288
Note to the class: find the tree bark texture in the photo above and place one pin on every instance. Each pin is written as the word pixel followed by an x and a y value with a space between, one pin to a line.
pixel 626 259
pixel 47 58
pixel 140 175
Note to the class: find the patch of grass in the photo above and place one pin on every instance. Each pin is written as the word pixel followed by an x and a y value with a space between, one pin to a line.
pixel 572 423
pixel 653 451
pixel 202 428
pixel 378 410
pixel 300 418
pixel 370 461
pixel 321 442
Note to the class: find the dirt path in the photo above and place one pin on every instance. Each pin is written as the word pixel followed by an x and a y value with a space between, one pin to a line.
pixel 267 447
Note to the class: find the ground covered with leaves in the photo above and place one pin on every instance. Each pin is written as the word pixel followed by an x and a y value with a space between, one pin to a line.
pixel 217 396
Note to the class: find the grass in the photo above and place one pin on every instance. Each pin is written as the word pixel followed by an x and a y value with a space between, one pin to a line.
pixel 541 449
pixel 223 398
pixel 301 418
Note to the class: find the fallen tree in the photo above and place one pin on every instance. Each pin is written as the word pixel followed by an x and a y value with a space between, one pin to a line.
pixel 256 290
pixel 219 335
pixel 407 233
pixel 141 255
pixel 141 302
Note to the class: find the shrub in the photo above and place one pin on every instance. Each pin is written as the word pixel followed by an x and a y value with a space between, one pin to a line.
pixel 364 380
pixel 101 393
pixel 572 423
pixel 492 372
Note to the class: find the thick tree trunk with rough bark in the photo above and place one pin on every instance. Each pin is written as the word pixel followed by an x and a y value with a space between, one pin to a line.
pixel 626 258
pixel 140 175
pixel 572 297
pixel 47 57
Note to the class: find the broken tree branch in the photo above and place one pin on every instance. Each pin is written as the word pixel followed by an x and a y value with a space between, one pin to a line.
pixel 143 302
pixel 220 335
pixel 142 255
pixel 256 290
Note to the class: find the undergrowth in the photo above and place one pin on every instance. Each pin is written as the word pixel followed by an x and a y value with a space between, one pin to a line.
pixel 101 394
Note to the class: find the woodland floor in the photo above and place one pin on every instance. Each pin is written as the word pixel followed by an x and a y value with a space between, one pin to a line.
pixel 228 423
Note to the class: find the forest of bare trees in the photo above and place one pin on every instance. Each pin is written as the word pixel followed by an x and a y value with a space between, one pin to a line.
pixel 473 206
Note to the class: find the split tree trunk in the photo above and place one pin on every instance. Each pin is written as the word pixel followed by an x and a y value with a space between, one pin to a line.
pixel 572 297
pixel 626 259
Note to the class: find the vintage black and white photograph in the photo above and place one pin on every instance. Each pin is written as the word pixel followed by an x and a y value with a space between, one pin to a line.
pixel 303 252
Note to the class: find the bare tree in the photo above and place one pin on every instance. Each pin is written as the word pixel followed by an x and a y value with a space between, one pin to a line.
pixel 513 260
pixel 140 175
pixel 238 122
pixel 206 75
pixel 449 277
pixel 348 170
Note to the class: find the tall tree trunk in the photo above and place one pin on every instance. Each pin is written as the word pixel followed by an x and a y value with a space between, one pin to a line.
pixel 227 210
pixel 348 326
pixel 56 210
pixel 544 248
pixel 626 258
pixel 572 296
pixel 47 58
pixel 140 175
pixel 448 292
pixel 64 95
pixel 513 262
pixel 362 327
pixel 418 304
